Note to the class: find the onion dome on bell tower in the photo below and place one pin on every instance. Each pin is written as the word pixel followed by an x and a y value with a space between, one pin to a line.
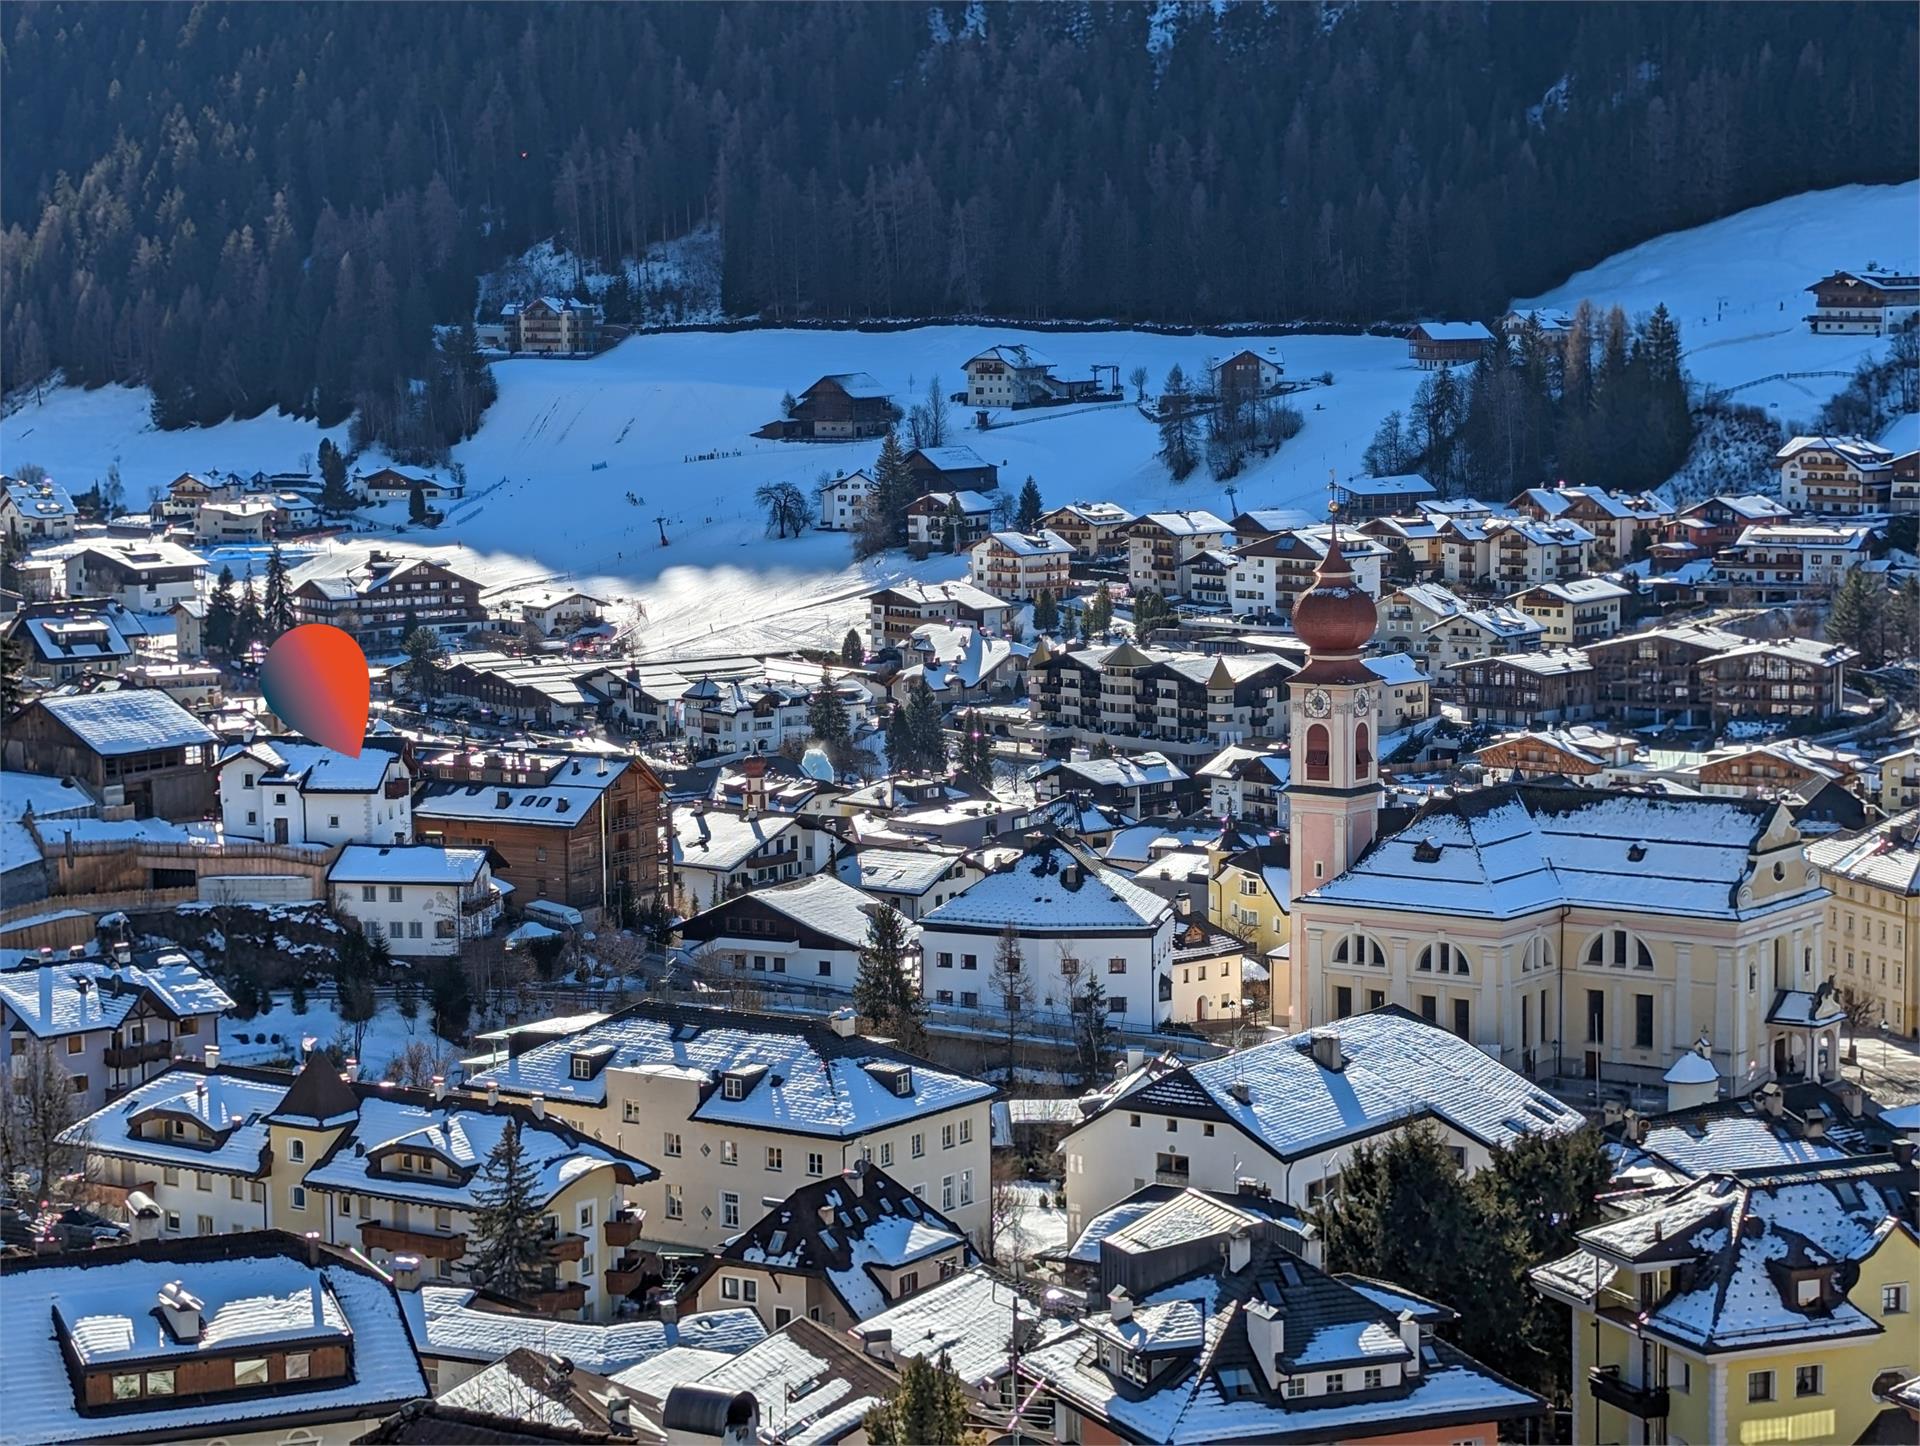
pixel 1335 618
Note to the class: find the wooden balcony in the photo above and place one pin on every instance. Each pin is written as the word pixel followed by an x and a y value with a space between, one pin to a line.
pixel 566 1247
pixel 570 1296
pixel 623 1230
pixel 132 1056
pixel 625 1277
pixel 1649 1403
pixel 395 1240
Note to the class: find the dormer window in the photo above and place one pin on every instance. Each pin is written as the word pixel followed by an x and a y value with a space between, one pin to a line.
pixel 903 1083
pixel 582 1067
pixel 732 1087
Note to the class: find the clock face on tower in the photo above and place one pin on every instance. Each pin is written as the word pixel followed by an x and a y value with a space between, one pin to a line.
pixel 1362 699
pixel 1319 703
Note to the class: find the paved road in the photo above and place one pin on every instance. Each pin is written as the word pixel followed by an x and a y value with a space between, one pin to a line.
pixel 1890 1070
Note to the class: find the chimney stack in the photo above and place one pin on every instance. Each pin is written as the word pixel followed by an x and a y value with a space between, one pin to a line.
pixel 213 1056
pixel 46 991
pixel 1410 1338
pixel 842 1023
pixel 406 1272
pixel 1119 1305
pixel 313 1248
pixel 1183 904
pixel 181 1310
pixel 493 1092
pixel 669 1310
pixel 538 1104
pixel 439 1087
pixel 1240 1249
pixel 1327 1052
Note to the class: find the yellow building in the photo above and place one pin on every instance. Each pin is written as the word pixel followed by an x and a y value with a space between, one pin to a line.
pixel 1247 897
pixel 1874 879
pixel 1563 930
pixel 1768 1307
pixel 1900 781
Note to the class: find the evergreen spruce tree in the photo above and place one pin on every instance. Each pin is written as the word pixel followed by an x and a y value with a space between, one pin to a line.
pixel 928 1408
pixel 452 1000
pixel 1858 616
pixel 417 505
pixel 1099 612
pixel 13 674
pixel 1046 612
pixel 507 1246
pixel 1903 621
pixel 335 495
pixel 1177 436
pixel 1011 988
pixel 1093 1036
pixel 882 991
pixel 927 730
pixel 217 630
pixel 975 756
pixel 1027 519
pixel 852 651
pixel 899 739
pixel 883 521
pixel 424 653
pixel 277 609
pixel 827 715
pixel 248 625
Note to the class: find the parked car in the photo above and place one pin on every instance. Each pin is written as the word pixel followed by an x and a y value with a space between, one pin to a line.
pixel 77 1228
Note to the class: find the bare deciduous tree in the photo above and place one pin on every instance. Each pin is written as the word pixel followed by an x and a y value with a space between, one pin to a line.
pixel 37 1106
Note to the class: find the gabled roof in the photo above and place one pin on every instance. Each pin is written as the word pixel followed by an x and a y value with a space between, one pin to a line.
pixel 406 864
pixel 1453 331
pixel 1036 897
pixel 457 1322
pixel 823 903
pixel 854 384
pixel 844 1228
pixel 1396 1069
pixel 66 997
pixel 319 1094
pixel 1402 485
pixel 128 721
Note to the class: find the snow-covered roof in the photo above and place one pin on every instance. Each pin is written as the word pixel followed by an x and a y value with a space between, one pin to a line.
pixel 968 1319
pixel 845 1229
pixel 1581 741
pixel 1581 590
pixel 855 384
pixel 1514 849
pixel 1018 355
pixel 1886 855
pixel 1539 534
pixel 406 864
pixel 78 996
pixel 719 839
pixel 128 721
pixel 231 1105
pixel 1134 770
pixel 878 869
pixel 957 594
pixel 1547 662
pixel 554 804
pixel 47 798
pixel 250 1294
pixel 1404 484
pixel 75 636
pixel 951 459
pixel 1431 597
pixel 1036 897
pixel 1027 544
pixel 451 1322
pixel 1806 535
pixel 1499 620
pixel 821 902
pixel 812 1387
pixel 462 1134
pixel 970 503
pixel 1187 524
pixel 1396 670
pixel 1454 331
pixel 1397 1067
pixel 1728 1136
pixel 1101 514
pixel 816 1082
pixel 44 500
pixel 1858 452
pixel 1742 1236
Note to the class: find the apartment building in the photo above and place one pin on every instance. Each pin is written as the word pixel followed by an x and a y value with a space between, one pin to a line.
pixel 1873 913
pixel 1021 564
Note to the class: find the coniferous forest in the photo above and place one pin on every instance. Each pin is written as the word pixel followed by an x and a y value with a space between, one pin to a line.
pixel 252 206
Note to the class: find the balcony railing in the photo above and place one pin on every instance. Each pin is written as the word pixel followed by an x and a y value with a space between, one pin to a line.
pixel 566 1247
pixel 398 1240
pixel 570 1296
pixel 625 1277
pixel 1649 1403
pixel 623 1230
pixel 132 1056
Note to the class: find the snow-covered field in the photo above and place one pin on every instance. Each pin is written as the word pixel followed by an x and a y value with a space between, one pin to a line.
pixel 667 418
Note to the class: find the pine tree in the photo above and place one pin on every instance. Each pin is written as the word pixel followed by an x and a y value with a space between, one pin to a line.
pixel 1093 1036
pixel 1012 989
pixel 1099 612
pixel 1903 621
pixel 928 1408
pixel 975 756
pixel 335 495
pixel 508 1246
pixel 899 731
pixel 827 715
pixel 417 505
pixel 1859 615
pixel 852 651
pixel 927 731
pixel 217 630
pixel 1177 426
pixel 1046 612
pixel 882 991
pixel 277 610
pixel 1027 519
pixel 424 652
pixel 883 521
pixel 452 1000
pixel 13 674
pixel 247 622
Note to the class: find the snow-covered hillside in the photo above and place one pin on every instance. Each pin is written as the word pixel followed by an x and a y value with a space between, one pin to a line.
pixel 1737 287
pixel 668 419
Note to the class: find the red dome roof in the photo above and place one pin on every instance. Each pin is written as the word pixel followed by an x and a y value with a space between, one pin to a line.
pixel 1335 615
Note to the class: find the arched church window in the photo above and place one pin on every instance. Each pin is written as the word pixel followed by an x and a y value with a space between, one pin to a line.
pixel 1443 959
pixel 1360 949
pixel 1319 766
pixel 1618 948
pixel 1362 752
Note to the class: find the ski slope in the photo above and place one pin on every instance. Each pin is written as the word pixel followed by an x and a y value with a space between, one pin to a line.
pixel 668 419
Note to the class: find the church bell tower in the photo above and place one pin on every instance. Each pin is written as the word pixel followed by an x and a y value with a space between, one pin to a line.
pixel 1333 790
